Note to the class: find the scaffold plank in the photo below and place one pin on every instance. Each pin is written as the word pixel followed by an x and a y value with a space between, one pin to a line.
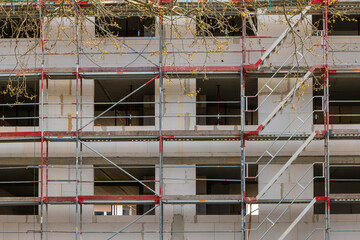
pixel 171 135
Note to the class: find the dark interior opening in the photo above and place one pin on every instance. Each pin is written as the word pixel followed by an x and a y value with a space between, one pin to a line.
pixel 344 101
pixel 16 27
pixel 223 26
pixel 18 181
pixel 343 180
pixel 19 110
pixel 228 183
pixel 130 112
pixel 112 181
pixel 223 102
pixel 125 27
pixel 346 25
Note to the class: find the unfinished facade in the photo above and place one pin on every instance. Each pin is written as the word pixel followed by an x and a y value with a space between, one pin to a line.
pixel 179 120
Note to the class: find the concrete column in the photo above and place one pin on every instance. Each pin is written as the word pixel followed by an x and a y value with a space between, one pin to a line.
pixel 64 91
pixel 176 216
pixel 177 90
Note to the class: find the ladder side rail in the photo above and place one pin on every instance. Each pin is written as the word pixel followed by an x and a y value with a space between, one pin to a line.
pixel 295 222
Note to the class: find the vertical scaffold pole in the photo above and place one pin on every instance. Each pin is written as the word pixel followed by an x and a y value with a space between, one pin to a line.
pixel 77 215
pixel 41 123
pixel 47 190
pixel 326 123
pixel 47 163
pixel 161 78
pixel 81 148
pixel 242 123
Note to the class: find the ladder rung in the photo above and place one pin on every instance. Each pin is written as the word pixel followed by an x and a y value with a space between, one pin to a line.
pixel 269 87
pixel 299 53
pixel 301 186
pixel 300 119
pixel 270 221
pixel 272 156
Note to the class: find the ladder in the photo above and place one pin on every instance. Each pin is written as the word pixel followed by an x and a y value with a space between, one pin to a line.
pixel 283 134
pixel 280 40
pixel 286 165
pixel 274 47
pixel 303 188
pixel 286 99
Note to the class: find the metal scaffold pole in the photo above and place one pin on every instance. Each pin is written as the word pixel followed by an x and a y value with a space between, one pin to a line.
pixel 161 146
pixel 326 122
pixel 242 124
pixel 41 122
pixel 47 163
pixel 47 187
pixel 77 124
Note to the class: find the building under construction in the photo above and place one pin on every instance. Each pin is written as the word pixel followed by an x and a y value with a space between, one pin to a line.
pixel 131 119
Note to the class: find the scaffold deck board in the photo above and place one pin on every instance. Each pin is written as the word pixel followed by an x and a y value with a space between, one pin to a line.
pixel 169 135
pixel 145 199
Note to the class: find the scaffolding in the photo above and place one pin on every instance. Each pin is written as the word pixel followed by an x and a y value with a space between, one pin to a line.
pixel 156 72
